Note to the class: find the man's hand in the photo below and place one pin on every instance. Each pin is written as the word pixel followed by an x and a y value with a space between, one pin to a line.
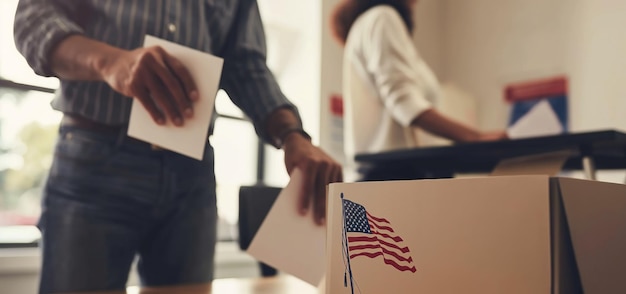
pixel 318 170
pixel 158 80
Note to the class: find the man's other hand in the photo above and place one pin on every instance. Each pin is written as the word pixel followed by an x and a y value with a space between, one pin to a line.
pixel 318 170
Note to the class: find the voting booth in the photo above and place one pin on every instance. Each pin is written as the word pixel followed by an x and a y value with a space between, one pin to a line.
pixel 491 235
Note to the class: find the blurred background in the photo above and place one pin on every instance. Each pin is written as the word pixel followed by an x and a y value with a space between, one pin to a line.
pixel 475 47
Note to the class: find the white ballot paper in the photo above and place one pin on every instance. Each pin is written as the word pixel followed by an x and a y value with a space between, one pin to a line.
pixel 291 243
pixel 191 138
pixel 539 121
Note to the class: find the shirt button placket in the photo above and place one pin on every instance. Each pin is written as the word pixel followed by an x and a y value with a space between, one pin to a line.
pixel 171 27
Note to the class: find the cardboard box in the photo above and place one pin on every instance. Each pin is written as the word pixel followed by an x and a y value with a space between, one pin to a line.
pixel 492 235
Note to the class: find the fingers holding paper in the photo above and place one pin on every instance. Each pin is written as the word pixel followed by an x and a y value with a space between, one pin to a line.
pixel 155 78
pixel 318 170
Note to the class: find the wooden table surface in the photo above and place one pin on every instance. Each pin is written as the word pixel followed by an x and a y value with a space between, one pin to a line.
pixel 283 284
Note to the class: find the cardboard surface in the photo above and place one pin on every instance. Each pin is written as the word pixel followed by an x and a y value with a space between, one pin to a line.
pixel 596 216
pixel 480 235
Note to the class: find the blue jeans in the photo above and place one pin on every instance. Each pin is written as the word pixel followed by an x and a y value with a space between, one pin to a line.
pixel 109 198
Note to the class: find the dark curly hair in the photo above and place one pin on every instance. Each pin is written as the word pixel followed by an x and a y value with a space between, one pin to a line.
pixel 346 12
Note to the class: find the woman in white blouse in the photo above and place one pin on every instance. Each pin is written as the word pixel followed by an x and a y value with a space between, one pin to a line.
pixel 388 89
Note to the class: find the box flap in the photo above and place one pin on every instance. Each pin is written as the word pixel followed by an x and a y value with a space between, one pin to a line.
pixel 596 216
pixel 565 277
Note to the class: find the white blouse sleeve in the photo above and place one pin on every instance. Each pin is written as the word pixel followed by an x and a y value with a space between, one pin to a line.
pixel 391 59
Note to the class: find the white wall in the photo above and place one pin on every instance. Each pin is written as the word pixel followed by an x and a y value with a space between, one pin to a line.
pixel 429 34
pixel 489 43
pixel 600 72
pixel 330 80
pixel 293 32
pixel 293 38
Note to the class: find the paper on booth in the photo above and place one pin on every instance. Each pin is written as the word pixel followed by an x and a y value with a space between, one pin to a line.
pixel 289 242
pixel 538 164
pixel 539 121
pixel 191 138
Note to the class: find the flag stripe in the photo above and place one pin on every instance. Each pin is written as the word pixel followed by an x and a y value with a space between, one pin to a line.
pixel 400 267
pixel 395 238
pixel 360 247
pixel 404 249
pixel 373 239
pixel 380 220
pixel 381 227
pixel 384 250
pixel 387 261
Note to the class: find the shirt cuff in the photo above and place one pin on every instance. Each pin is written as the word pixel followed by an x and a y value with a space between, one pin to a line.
pixel 50 33
pixel 407 108
pixel 261 127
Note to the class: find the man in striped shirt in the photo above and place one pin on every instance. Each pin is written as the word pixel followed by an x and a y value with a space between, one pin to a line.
pixel 108 196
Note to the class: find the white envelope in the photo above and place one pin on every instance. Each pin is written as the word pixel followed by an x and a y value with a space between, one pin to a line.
pixel 190 139
pixel 292 243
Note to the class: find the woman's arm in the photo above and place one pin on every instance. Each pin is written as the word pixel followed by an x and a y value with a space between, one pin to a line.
pixel 438 124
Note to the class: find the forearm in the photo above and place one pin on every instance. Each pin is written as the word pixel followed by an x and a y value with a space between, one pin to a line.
pixel 80 58
pixel 318 169
pixel 435 123
pixel 282 125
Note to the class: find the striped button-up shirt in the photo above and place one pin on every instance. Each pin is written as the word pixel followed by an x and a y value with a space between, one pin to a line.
pixel 231 29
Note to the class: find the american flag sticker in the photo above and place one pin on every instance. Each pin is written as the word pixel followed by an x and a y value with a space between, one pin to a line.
pixel 369 236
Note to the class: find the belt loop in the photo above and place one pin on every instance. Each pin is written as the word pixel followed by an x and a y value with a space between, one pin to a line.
pixel 121 136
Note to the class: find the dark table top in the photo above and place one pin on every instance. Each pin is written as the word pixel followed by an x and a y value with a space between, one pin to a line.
pixel 607 148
